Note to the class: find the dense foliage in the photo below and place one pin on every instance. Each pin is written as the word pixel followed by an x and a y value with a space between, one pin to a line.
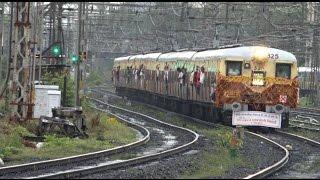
pixel 56 79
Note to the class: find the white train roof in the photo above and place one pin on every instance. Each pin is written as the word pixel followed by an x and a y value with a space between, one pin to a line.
pixel 151 57
pixel 173 56
pixel 244 53
pixel 237 53
pixel 122 58
pixel 135 57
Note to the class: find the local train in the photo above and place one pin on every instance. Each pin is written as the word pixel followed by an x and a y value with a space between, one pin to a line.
pixel 211 84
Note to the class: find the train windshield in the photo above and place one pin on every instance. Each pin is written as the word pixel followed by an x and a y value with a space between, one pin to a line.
pixel 283 70
pixel 234 68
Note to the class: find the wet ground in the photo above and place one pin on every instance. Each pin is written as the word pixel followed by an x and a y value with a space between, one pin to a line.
pixel 304 159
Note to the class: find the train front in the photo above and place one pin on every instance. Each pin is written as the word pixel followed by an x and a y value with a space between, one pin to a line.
pixel 259 88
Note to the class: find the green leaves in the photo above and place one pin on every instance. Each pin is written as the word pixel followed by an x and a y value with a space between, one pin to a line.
pixel 56 79
pixel 95 79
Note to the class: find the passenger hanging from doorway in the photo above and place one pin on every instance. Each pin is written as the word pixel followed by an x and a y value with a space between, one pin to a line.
pixel 142 76
pixel 196 80
pixel 113 75
pixel 157 77
pixel 213 88
pixel 126 75
pixel 131 75
pixel 180 78
pixel 117 75
pixel 190 94
pixel 202 80
pixel 166 78
pixel 184 77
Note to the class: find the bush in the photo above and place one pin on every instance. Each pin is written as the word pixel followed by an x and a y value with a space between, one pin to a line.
pixel 94 79
pixel 10 138
pixel 306 102
pixel 56 79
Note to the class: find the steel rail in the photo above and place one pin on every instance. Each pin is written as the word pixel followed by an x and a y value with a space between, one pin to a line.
pixel 305 113
pixel 72 159
pixel 260 174
pixel 129 162
pixel 301 138
pixel 305 122
pixel 273 168
pixel 307 128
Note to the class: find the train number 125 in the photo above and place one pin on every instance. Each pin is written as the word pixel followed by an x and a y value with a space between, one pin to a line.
pixel 273 56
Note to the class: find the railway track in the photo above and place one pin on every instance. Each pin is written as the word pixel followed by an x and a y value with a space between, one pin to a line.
pixel 275 169
pixel 303 154
pixel 165 140
pixel 306 118
pixel 34 168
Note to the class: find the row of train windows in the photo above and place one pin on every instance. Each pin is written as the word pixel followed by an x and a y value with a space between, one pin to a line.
pixel 235 69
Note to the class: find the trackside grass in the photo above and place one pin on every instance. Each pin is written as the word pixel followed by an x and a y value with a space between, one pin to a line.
pixel 107 132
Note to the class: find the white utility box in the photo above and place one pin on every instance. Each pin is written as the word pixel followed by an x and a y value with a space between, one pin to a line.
pixel 46 97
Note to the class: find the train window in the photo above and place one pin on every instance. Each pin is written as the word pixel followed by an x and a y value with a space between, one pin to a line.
pixel 234 68
pixel 283 70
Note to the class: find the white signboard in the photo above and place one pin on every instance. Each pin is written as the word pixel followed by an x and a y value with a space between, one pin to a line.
pixel 256 118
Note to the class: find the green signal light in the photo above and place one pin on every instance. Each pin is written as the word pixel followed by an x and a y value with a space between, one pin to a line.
pixel 74 58
pixel 56 50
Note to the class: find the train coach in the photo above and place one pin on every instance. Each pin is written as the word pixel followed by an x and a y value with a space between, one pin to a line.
pixel 213 84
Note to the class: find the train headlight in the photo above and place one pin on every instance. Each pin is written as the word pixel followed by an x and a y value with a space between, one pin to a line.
pixel 279 108
pixel 236 106
pixel 260 53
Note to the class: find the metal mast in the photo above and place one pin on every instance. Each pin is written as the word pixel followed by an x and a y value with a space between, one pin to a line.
pixel 21 100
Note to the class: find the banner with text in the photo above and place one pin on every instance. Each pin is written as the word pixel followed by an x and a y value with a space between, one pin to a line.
pixel 256 118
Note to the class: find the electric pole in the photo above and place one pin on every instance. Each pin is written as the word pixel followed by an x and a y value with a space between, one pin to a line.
pixel 21 100
pixel 81 44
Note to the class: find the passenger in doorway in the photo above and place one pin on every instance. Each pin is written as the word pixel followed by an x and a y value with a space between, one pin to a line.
pixel 213 88
pixel 180 78
pixel 191 77
pixel 202 76
pixel 118 74
pixel 157 73
pixel 184 77
pixel 135 74
pixel 113 74
pixel 142 76
pixel 126 75
pixel 157 77
pixel 129 74
pixel 196 80
pixel 166 77
pixel 184 71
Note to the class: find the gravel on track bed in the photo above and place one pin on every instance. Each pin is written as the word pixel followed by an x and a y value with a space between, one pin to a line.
pixel 256 152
